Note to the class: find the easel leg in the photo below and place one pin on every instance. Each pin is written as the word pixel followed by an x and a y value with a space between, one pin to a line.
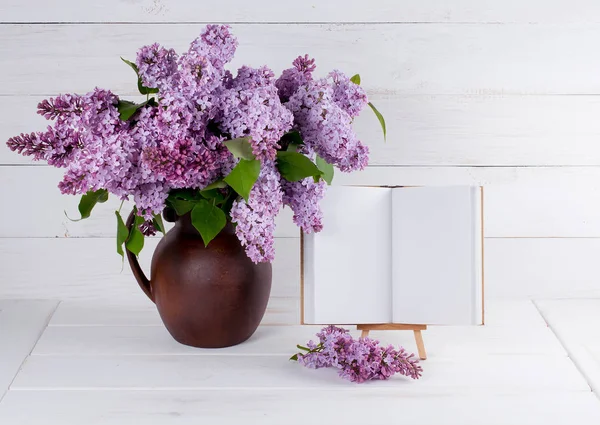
pixel 420 345
pixel 364 333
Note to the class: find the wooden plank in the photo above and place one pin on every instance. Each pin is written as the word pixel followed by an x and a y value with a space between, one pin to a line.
pixel 504 312
pixel 406 11
pixel 90 269
pixel 499 313
pixel 519 202
pixel 515 268
pixel 280 311
pixel 54 221
pixel 579 315
pixel 155 340
pixel 476 176
pixel 444 376
pixel 21 324
pixel 542 268
pixel 417 59
pixel 441 341
pixel 549 210
pixel 429 130
pixel 275 407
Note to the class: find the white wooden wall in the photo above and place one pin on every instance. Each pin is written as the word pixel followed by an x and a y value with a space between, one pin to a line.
pixel 503 93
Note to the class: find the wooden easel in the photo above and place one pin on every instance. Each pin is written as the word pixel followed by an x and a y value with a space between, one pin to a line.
pixel 398 327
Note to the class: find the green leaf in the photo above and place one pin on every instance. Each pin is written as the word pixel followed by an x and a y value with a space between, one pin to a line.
pixel 132 65
pixel 294 166
pixel 355 79
pixel 186 194
pixel 143 89
pixel 135 241
pixel 181 206
pixel 291 141
pixel 214 194
pixel 326 168
pixel 122 233
pixel 294 358
pixel 293 137
pixel 89 201
pixel 243 177
pixel 240 148
pixel 208 219
pixel 228 202
pixel 380 118
pixel 219 184
pixel 157 221
pixel 300 347
pixel 127 108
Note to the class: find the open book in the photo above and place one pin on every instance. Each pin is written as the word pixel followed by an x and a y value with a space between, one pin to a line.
pixel 395 255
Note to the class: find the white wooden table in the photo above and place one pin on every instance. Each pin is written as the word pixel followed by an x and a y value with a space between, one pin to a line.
pixel 82 363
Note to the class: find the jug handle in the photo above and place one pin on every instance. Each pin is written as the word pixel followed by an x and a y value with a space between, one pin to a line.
pixel 138 273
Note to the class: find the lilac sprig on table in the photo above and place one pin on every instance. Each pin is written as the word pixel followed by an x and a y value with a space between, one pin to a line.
pixel 357 360
pixel 219 146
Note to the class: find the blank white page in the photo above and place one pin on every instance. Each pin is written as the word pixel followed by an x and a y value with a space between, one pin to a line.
pixel 434 255
pixel 347 266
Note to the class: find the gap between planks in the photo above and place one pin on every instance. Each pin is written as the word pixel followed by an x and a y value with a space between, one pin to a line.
pixel 37 339
pixel 573 354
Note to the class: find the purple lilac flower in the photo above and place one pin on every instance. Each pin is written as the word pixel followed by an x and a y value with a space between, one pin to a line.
pixel 251 107
pixel 217 43
pixel 303 198
pixel 93 153
pixel 326 128
pixel 314 360
pixel 347 95
pixel 147 228
pixel 173 159
pixel 29 145
pixel 251 78
pixel 255 219
pixel 100 165
pixel 177 141
pixel 150 198
pixel 197 75
pixel 227 79
pixel 156 65
pixel 185 163
pixel 100 115
pixel 174 116
pixel 66 107
pixel 56 146
pixel 102 160
pixel 358 360
pixel 292 78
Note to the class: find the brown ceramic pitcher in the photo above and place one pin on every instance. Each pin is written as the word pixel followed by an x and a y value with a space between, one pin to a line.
pixel 207 297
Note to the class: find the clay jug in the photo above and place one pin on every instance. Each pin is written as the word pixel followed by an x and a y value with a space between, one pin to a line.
pixel 207 297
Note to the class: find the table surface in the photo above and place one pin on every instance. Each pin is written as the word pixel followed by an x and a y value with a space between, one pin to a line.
pixel 86 363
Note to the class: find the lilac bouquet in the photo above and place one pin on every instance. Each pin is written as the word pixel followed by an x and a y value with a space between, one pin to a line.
pixel 205 142
pixel 358 360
